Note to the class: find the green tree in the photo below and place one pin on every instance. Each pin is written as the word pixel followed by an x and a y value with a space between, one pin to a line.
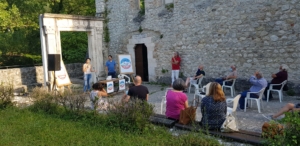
pixel 19 28
pixel 74 46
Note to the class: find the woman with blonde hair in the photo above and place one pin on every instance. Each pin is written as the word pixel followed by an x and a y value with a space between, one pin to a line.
pixel 214 107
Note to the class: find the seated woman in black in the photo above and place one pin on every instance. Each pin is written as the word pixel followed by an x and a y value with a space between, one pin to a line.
pixel 213 107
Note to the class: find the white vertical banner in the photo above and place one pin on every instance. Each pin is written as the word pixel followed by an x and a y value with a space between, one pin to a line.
pixel 110 87
pixel 122 84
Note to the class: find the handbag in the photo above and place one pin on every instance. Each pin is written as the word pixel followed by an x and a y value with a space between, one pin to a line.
pixel 188 115
pixel 229 124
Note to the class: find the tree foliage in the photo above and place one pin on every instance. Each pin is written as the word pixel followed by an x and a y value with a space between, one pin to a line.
pixel 19 29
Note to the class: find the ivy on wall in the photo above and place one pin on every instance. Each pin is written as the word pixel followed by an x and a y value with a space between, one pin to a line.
pixel 142 7
pixel 106 20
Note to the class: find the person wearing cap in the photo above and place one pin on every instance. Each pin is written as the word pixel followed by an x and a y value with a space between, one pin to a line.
pixel 278 78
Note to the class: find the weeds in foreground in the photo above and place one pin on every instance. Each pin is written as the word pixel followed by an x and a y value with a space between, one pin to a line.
pixel 72 101
pixel 53 120
pixel 131 116
pixel 6 95
pixel 24 127
pixel 290 135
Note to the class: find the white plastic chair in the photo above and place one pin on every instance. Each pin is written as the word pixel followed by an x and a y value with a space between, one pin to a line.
pixel 204 89
pixel 235 101
pixel 258 100
pixel 196 85
pixel 163 100
pixel 122 76
pixel 229 86
pixel 279 91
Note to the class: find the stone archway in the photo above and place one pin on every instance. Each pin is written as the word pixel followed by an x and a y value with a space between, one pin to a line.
pixel 52 24
pixel 143 39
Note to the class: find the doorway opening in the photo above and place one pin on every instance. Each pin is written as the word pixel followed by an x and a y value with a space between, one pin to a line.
pixel 141 61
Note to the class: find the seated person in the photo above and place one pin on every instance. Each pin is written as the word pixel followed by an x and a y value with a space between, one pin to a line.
pixel 199 74
pixel 214 107
pixel 138 91
pixel 278 78
pixel 231 75
pixel 258 82
pixel 288 107
pixel 176 100
pixel 126 91
pixel 98 91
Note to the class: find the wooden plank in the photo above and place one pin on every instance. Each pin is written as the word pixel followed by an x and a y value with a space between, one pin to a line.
pixel 162 121
pixel 235 136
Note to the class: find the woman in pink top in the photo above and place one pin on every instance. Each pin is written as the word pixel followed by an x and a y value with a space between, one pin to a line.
pixel 176 100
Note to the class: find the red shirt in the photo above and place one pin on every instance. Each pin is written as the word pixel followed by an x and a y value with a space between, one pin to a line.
pixel 176 66
pixel 280 77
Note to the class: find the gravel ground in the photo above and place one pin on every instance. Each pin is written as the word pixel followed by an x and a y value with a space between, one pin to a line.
pixel 250 120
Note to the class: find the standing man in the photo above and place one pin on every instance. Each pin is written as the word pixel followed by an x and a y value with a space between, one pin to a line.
pixel 175 66
pixel 111 67
pixel 278 78
pixel 138 91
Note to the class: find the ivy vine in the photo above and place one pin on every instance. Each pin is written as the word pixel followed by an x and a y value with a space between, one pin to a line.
pixel 106 20
pixel 142 7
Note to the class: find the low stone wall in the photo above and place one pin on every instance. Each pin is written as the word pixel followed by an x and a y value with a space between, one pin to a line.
pixel 240 84
pixel 34 75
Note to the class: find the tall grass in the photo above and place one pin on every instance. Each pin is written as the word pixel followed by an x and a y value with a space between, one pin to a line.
pixel 24 127
pixel 52 120
pixel 6 95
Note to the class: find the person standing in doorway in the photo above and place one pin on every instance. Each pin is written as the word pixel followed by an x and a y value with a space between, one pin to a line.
pixel 111 67
pixel 175 66
pixel 87 70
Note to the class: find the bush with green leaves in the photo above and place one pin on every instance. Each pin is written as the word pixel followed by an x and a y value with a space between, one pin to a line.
pixel 72 100
pixel 6 95
pixel 131 116
pixel 291 130
pixel 43 100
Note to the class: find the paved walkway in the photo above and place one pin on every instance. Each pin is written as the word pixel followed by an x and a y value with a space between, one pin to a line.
pixel 250 120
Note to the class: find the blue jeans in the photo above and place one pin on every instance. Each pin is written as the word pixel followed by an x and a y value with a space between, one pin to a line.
pixel 220 81
pixel 87 78
pixel 112 74
pixel 243 96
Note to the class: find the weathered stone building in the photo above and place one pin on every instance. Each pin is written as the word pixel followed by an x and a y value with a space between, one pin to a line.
pixel 251 34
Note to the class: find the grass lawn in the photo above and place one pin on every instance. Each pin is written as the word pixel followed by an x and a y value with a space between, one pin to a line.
pixel 23 127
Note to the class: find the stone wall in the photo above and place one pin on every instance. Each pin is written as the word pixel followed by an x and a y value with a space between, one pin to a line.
pixel 251 34
pixel 34 75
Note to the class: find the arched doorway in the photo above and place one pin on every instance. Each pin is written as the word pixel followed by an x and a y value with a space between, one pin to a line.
pixel 141 61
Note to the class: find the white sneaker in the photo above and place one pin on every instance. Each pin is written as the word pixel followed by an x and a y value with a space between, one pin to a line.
pixel 269 117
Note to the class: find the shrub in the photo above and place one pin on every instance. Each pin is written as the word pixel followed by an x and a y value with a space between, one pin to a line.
pixel 72 100
pixel 291 131
pixel 131 116
pixel 290 92
pixel 43 100
pixel 6 95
